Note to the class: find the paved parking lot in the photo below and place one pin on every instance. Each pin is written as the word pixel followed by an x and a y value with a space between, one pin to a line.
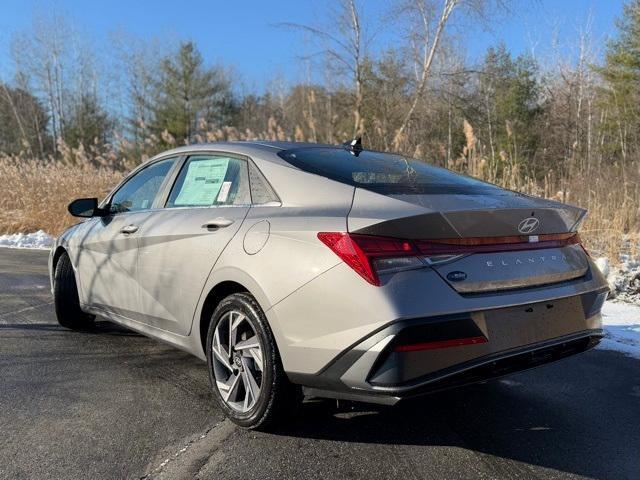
pixel 114 404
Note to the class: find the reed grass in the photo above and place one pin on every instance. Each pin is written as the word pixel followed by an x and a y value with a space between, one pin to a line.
pixel 34 192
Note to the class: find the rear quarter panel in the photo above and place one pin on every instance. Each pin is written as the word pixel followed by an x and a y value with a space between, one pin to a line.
pixel 290 255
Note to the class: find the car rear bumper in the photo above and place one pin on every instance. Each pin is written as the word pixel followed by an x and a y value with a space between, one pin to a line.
pixel 338 310
pixel 475 371
pixel 418 356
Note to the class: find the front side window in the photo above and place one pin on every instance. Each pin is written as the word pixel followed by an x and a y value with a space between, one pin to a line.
pixel 139 192
pixel 211 180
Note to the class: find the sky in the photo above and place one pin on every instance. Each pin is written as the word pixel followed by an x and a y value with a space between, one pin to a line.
pixel 249 35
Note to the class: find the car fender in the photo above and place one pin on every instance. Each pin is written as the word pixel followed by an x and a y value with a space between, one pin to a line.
pixel 65 242
pixel 227 274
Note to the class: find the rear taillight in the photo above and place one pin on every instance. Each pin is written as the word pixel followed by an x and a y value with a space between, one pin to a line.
pixel 370 256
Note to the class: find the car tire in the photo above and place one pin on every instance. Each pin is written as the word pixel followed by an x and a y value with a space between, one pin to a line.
pixel 65 296
pixel 278 398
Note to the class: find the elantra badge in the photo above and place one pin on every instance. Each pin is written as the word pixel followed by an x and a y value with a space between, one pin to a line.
pixel 528 225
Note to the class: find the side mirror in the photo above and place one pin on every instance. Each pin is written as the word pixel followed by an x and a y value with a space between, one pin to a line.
pixel 85 208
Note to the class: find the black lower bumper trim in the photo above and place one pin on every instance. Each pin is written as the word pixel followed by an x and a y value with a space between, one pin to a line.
pixel 475 371
pixel 505 365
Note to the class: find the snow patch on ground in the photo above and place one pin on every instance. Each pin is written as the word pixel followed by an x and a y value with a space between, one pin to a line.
pixel 39 239
pixel 624 279
pixel 621 318
pixel 621 323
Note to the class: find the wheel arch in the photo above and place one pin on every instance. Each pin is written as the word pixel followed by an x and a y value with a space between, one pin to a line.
pixel 218 293
pixel 56 256
pixel 221 283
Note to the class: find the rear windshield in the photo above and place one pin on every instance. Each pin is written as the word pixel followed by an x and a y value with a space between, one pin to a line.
pixel 383 172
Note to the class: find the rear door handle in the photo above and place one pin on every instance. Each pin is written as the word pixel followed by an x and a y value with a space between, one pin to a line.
pixel 129 229
pixel 219 222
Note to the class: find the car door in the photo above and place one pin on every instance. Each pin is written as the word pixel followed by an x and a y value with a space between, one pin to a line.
pixel 179 244
pixel 108 250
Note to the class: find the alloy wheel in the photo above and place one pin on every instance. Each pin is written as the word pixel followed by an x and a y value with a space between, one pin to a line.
pixel 237 361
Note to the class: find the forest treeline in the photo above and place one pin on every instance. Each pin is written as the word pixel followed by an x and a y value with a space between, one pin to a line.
pixel 567 128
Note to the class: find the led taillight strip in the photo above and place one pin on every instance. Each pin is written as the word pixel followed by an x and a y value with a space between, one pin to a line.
pixel 545 237
pixel 496 244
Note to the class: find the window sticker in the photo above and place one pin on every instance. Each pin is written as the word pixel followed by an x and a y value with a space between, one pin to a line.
pixel 224 192
pixel 203 182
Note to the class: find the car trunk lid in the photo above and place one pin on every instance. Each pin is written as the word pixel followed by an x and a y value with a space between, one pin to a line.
pixel 480 242
pixel 440 215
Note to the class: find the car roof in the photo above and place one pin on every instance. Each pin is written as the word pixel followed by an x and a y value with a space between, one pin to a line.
pixel 249 148
pixel 305 190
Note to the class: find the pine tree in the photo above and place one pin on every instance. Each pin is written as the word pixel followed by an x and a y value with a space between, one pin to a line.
pixel 87 123
pixel 189 93
pixel 621 75
pixel 510 103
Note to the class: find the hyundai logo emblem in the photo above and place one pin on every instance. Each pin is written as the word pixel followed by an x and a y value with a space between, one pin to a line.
pixel 528 225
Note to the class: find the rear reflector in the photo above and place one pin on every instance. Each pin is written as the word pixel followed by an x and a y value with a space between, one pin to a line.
pixel 456 342
pixel 369 255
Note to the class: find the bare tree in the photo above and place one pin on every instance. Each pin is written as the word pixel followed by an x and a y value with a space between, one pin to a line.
pixel 429 39
pixel 345 47
pixel 41 54
pixel 428 20
pixel 18 118
pixel 138 64
pixel 55 62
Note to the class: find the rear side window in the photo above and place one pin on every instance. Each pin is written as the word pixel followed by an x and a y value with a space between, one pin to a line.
pixel 382 172
pixel 261 190
pixel 211 180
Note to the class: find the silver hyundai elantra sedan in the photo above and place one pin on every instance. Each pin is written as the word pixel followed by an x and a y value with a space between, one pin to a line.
pixel 329 271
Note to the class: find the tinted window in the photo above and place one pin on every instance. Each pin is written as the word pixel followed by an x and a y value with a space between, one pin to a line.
pixel 139 192
pixel 261 191
pixel 208 180
pixel 382 172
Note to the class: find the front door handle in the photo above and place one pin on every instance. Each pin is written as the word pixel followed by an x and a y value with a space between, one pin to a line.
pixel 129 229
pixel 216 223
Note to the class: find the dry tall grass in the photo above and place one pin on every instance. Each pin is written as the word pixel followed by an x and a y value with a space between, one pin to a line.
pixel 610 193
pixel 34 193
